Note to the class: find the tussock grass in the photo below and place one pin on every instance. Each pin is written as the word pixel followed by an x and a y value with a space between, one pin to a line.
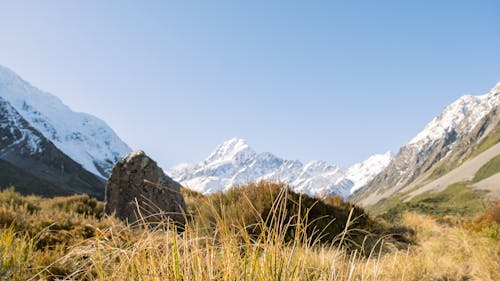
pixel 221 247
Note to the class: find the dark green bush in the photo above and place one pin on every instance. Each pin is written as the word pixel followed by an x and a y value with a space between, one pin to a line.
pixel 265 205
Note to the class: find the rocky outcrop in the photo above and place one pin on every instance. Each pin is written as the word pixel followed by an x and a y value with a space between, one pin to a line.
pixel 139 191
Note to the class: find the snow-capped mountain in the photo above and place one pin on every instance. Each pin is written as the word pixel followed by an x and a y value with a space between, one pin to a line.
pixel 34 165
pixel 362 173
pixel 234 163
pixel 461 116
pixel 83 137
pixel 446 141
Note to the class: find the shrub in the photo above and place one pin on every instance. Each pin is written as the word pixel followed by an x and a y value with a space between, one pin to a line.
pixel 9 197
pixel 78 204
pixel 267 206
pixel 489 222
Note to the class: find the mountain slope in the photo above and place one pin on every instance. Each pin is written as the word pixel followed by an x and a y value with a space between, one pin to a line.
pixel 445 144
pixel 34 164
pixel 236 163
pixel 362 173
pixel 83 137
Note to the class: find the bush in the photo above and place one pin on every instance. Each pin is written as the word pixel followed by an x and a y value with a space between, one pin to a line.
pixel 78 204
pixel 10 198
pixel 489 222
pixel 266 206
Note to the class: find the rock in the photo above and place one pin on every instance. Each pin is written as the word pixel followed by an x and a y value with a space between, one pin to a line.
pixel 138 189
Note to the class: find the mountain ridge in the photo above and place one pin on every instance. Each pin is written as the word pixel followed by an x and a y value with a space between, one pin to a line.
pixel 444 144
pixel 85 138
pixel 234 163
pixel 34 164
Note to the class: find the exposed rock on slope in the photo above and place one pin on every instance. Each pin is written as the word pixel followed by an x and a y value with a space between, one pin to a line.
pixel 83 137
pixel 35 165
pixel 138 189
pixel 444 144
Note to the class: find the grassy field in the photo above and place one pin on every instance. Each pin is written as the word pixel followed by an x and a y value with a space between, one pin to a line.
pixel 232 237
pixel 456 200
pixel 489 169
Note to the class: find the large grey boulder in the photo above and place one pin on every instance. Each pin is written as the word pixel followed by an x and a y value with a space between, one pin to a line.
pixel 138 190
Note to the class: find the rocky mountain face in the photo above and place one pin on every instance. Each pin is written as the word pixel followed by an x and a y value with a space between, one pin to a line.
pixel 48 149
pixel 34 164
pixel 446 142
pixel 235 163
pixel 84 138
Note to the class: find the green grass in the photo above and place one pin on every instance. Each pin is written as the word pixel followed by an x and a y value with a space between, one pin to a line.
pixel 441 169
pixel 456 200
pixel 386 204
pixel 491 139
pixel 489 169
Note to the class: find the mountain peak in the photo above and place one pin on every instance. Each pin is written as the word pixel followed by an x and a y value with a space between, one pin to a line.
pixel 232 149
pixel 446 141
pixel 86 139
pixel 496 88
pixel 234 163
pixel 463 115
pixel 361 173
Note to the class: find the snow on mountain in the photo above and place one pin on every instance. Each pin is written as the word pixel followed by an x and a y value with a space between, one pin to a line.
pixel 83 137
pixel 463 115
pixel 15 125
pixel 235 163
pixel 448 137
pixel 363 172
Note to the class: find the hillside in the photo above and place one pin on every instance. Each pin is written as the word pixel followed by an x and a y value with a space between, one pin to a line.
pixel 451 149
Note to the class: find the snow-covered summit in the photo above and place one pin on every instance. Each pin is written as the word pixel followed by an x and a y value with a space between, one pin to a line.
pixel 363 172
pixel 234 163
pixel 86 139
pixel 233 149
pixel 463 115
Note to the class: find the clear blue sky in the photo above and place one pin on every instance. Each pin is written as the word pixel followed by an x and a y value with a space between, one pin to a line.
pixel 330 80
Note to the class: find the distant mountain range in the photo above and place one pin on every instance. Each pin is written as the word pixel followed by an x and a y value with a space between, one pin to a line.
pixel 48 149
pixel 445 144
pixel 235 163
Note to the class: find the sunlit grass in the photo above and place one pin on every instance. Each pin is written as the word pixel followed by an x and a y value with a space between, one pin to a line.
pixel 109 250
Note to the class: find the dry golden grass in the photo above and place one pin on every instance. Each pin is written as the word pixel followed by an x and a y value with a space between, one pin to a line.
pixel 117 252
